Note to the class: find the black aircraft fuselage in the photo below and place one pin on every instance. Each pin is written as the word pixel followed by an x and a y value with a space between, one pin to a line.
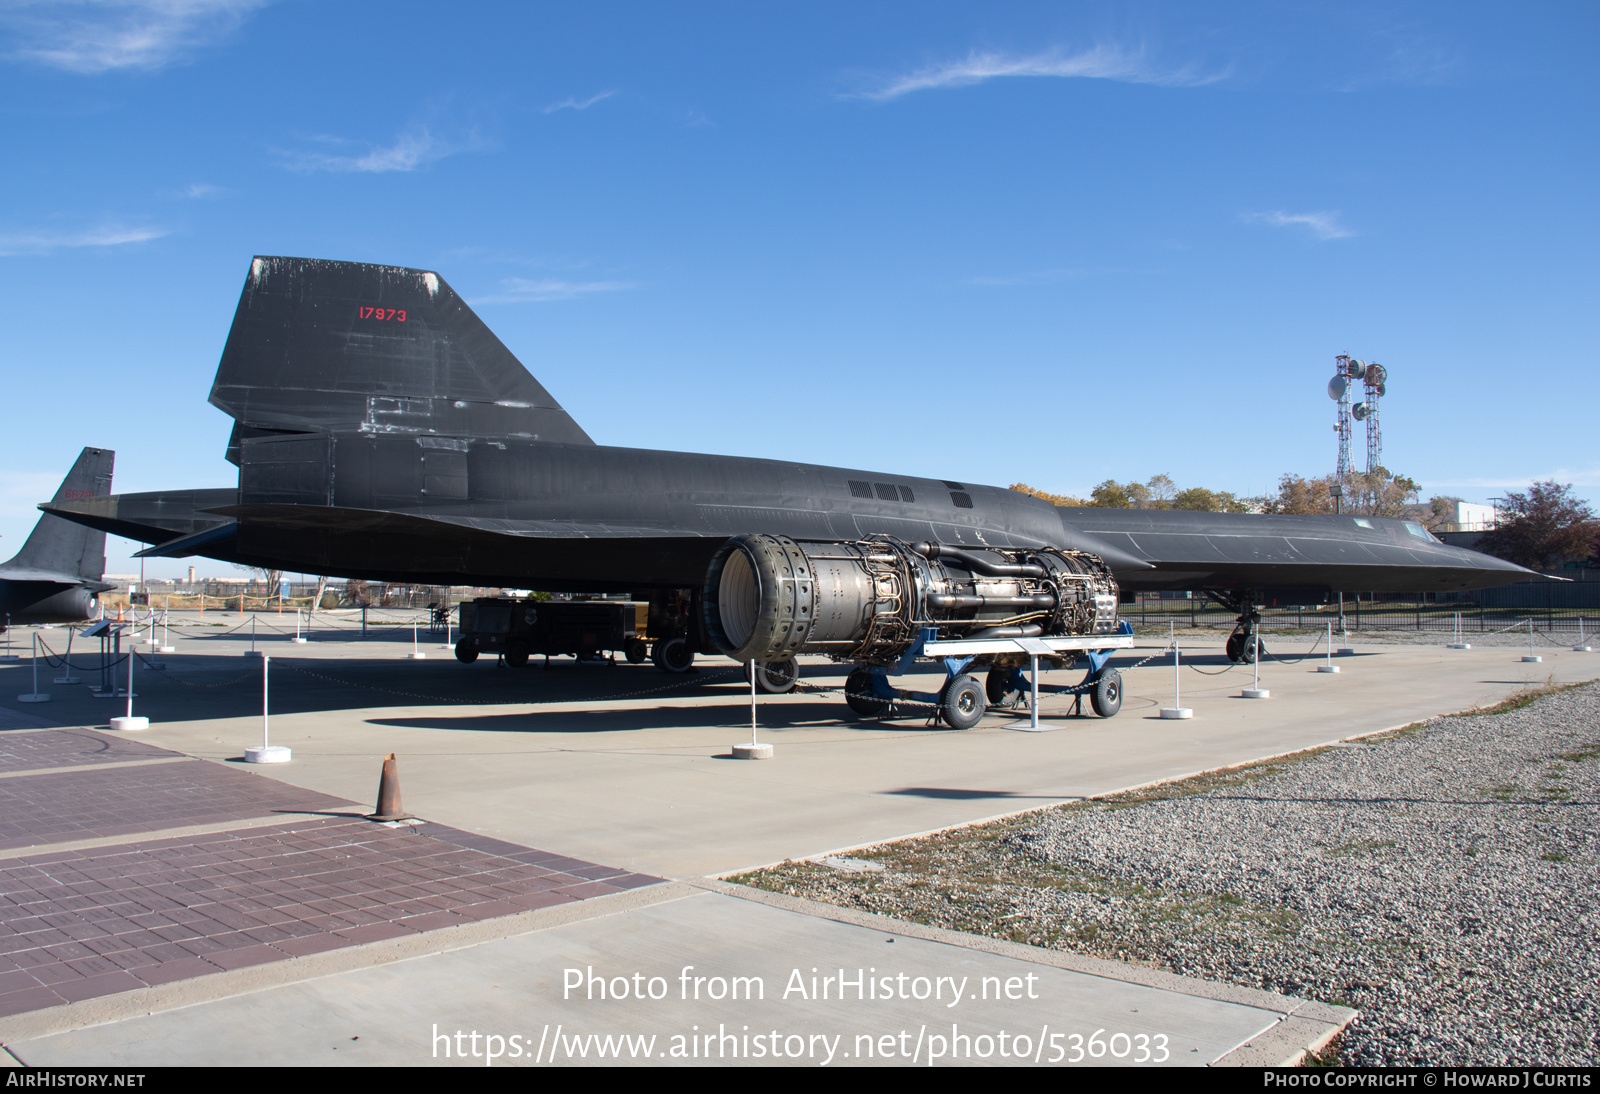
pixel 382 432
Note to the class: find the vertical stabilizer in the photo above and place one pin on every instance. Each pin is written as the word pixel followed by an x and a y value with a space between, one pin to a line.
pixel 60 547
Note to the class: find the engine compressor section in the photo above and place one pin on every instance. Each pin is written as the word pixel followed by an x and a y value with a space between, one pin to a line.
pixel 768 598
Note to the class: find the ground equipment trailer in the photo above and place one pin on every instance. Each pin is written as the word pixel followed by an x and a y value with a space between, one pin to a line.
pixel 520 629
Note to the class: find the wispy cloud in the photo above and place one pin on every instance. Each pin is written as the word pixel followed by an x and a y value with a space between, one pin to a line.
pixel 1100 63
pixel 95 36
pixel 43 241
pixel 578 104
pixel 202 191
pixel 522 290
pixel 1323 225
pixel 414 148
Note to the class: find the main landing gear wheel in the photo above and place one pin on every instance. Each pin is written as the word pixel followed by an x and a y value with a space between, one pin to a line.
pixel 1107 696
pixel 466 652
pixel 997 686
pixel 859 697
pixel 963 702
pixel 775 677
pixel 673 655
pixel 517 654
pixel 635 651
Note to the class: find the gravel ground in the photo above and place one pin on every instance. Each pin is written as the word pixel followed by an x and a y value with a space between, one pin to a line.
pixel 1442 879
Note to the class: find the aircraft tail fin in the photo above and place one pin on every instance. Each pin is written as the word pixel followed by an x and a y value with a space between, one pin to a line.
pixel 319 346
pixel 59 546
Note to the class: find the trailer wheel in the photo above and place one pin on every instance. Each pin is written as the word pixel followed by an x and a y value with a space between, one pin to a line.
pixel 997 686
pixel 859 697
pixel 517 654
pixel 1107 697
pixel 775 677
pixel 635 651
pixel 673 655
pixel 963 702
pixel 466 652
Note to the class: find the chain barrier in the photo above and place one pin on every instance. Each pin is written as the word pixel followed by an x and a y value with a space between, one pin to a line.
pixel 150 665
pixel 1302 657
pixel 693 679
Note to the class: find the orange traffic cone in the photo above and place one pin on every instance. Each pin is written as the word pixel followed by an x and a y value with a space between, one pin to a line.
pixel 389 807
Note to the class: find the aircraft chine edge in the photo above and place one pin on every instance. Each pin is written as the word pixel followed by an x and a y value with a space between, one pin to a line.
pixel 383 432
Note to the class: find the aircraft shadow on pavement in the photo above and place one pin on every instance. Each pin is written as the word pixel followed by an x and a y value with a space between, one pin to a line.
pixel 822 714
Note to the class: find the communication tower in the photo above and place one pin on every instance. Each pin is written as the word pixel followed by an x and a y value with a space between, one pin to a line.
pixel 1374 383
pixel 1339 391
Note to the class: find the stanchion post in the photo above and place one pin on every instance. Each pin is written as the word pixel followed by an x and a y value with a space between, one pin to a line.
pixel 35 696
pixel 267 752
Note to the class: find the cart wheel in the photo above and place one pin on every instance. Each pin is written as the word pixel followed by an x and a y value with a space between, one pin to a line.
pixel 859 697
pixel 466 652
pixel 963 702
pixel 775 677
pixel 673 655
pixel 1107 697
pixel 517 655
pixel 997 686
pixel 635 651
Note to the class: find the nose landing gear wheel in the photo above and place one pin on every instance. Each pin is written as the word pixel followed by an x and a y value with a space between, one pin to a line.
pixel 1107 696
pixel 1241 648
pixel 859 697
pixel 775 677
pixel 963 703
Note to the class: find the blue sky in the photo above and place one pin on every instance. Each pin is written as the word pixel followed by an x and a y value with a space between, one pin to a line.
pixel 1043 242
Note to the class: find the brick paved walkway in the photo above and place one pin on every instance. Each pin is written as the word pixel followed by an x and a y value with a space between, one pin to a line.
pixel 82 924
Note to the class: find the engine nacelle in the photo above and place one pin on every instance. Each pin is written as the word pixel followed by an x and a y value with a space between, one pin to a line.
pixel 767 598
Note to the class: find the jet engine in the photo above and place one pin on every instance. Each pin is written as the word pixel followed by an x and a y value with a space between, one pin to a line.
pixel 768 598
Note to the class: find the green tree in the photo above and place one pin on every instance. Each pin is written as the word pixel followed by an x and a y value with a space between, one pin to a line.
pixel 1054 499
pixel 1543 528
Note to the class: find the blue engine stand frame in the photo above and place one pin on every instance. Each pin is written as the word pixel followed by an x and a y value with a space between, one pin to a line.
pixel 955 666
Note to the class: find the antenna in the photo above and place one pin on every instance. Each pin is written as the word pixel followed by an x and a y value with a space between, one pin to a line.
pixel 1375 379
pixel 1339 391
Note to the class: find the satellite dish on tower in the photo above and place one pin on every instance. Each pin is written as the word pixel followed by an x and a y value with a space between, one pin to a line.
pixel 1355 368
pixel 1376 374
pixel 1337 387
pixel 1359 411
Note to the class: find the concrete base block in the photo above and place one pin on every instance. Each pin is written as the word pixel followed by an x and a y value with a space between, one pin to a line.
pixel 418 656
pixel 1459 646
pixel 252 653
pixel 1177 712
pixel 166 649
pixel 34 697
pixel 1327 668
pixel 1581 649
pixel 1255 693
pixel 1344 651
pixel 298 641
pixel 135 722
pixel 266 754
pixel 1535 659
pixel 752 752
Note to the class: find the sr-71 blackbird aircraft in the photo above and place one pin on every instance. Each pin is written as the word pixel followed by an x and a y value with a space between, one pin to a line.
pixel 381 431
pixel 56 576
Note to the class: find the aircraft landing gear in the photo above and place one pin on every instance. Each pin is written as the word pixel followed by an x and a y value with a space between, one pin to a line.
pixel 1242 643
pixel 673 654
pixel 775 677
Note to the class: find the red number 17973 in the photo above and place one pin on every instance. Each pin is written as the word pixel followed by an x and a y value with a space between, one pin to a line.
pixel 396 314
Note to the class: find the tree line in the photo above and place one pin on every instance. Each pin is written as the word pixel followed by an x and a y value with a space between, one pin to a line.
pixel 1543 528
